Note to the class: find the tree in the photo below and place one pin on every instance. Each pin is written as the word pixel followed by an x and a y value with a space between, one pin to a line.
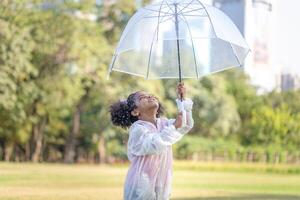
pixel 16 69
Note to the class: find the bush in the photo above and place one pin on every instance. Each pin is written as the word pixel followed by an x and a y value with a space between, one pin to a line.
pixel 199 148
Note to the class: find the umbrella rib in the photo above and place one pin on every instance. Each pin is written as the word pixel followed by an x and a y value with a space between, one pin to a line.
pixel 123 37
pixel 170 7
pixel 150 54
pixel 112 65
pixel 185 6
pixel 188 11
pixel 163 19
pixel 209 18
pixel 235 55
pixel 196 66
pixel 159 16
pixel 115 55
pixel 157 10
pixel 171 15
pixel 156 32
pixel 157 28
pixel 195 15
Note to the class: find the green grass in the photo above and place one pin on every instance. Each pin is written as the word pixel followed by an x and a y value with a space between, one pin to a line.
pixel 192 181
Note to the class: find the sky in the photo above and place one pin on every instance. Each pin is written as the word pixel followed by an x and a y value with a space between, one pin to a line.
pixel 288 35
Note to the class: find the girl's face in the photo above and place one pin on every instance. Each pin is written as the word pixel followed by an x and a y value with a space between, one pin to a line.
pixel 145 102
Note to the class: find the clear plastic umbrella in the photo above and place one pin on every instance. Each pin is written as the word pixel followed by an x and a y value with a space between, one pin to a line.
pixel 178 39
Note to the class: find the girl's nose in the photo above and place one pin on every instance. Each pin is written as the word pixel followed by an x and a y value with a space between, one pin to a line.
pixel 151 97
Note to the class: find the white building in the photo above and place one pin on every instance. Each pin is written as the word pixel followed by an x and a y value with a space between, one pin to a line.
pixel 257 21
pixel 288 81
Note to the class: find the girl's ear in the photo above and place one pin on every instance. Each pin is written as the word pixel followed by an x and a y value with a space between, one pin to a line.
pixel 135 113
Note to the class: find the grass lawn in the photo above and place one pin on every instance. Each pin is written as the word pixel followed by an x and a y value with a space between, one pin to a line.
pixel 192 181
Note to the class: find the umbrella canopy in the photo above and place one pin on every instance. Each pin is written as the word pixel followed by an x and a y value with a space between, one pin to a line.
pixel 178 39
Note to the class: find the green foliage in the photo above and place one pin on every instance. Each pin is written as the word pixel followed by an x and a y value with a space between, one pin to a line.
pixel 215 109
pixel 277 126
pixel 190 145
pixel 238 85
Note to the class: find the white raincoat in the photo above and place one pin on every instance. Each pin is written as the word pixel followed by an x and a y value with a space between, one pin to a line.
pixel 150 153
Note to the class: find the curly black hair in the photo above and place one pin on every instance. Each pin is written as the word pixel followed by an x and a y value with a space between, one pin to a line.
pixel 121 111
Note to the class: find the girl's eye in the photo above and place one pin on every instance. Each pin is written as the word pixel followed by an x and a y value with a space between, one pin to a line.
pixel 142 97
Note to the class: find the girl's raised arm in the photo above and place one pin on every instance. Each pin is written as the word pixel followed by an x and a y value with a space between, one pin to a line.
pixel 187 106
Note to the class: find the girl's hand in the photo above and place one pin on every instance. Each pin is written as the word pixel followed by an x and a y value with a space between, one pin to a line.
pixel 181 90
pixel 178 121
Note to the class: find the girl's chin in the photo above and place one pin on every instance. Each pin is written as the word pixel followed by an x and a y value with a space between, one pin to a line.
pixel 153 104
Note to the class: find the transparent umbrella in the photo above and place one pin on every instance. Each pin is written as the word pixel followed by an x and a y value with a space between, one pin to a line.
pixel 178 39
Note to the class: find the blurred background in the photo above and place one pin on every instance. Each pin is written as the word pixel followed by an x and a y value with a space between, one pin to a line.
pixel 54 105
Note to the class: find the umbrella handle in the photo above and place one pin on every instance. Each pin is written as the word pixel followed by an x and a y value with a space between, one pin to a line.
pixel 181 97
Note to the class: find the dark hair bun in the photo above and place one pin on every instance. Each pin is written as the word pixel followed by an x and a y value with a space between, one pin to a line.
pixel 120 114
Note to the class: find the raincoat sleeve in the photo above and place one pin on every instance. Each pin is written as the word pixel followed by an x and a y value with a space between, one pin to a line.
pixel 186 107
pixel 142 141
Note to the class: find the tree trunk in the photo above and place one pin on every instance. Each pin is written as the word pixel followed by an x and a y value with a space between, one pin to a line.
pixel 2 150
pixel 8 149
pixel 38 132
pixel 69 156
pixel 27 151
pixel 101 149
pixel 18 154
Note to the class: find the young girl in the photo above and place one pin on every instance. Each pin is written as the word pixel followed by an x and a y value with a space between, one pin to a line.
pixel 150 138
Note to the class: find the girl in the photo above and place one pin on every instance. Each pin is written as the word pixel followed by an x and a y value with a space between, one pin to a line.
pixel 149 145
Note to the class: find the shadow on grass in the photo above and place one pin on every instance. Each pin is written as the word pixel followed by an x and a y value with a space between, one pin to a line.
pixel 244 197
